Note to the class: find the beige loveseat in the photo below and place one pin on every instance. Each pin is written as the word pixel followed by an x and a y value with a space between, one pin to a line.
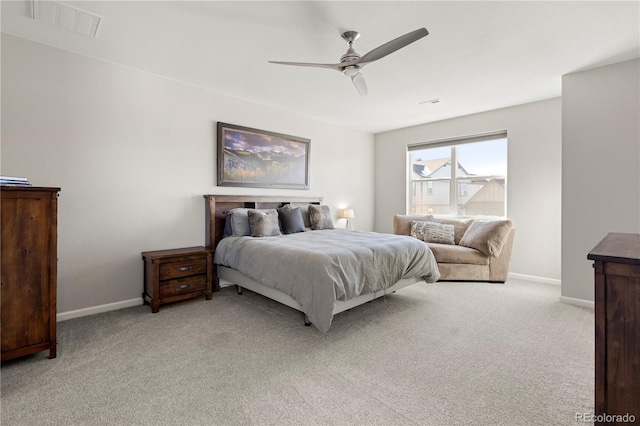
pixel 484 256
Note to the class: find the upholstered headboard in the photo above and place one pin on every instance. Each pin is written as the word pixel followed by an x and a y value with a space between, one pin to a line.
pixel 216 207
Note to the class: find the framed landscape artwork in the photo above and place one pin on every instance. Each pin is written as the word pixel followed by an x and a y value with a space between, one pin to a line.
pixel 260 159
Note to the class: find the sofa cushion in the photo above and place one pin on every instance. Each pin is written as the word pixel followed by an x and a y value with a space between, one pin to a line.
pixel 432 232
pixel 488 237
pixel 460 226
pixel 402 223
pixel 446 253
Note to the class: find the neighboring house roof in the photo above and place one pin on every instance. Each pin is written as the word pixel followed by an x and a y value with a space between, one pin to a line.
pixel 431 166
pixel 425 168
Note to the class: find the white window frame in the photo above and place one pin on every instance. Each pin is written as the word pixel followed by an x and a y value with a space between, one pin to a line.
pixel 453 188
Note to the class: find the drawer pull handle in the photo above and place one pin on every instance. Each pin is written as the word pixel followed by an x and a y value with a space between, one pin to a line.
pixel 184 268
pixel 181 286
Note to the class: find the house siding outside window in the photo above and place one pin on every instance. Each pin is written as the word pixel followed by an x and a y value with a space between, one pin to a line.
pixel 476 187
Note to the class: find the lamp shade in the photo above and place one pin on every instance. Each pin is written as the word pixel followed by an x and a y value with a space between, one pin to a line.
pixel 346 214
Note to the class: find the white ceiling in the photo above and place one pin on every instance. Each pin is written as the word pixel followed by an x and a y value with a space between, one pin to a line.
pixel 479 55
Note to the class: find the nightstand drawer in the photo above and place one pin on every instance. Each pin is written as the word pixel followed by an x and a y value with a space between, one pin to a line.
pixel 184 268
pixel 182 286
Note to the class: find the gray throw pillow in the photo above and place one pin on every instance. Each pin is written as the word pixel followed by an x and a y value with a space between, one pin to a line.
pixel 304 210
pixel 237 223
pixel 305 216
pixel 432 232
pixel 290 219
pixel 264 223
pixel 320 217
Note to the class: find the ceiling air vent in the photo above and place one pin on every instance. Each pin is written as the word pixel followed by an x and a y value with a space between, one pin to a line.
pixel 66 16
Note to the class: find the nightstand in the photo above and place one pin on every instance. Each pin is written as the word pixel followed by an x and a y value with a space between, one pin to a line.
pixel 177 274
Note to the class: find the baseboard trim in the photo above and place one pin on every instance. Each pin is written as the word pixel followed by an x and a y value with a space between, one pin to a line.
pixel 577 302
pixel 534 278
pixel 63 316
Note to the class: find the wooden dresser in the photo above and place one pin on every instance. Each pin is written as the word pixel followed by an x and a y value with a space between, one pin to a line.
pixel 617 325
pixel 29 270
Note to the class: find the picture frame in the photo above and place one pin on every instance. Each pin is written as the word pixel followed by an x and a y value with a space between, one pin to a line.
pixel 261 159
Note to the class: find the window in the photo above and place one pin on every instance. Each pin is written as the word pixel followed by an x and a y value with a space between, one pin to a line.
pixel 476 186
pixel 463 189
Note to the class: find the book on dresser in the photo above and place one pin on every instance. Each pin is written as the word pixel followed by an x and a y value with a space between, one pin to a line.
pixel 14 181
pixel 29 270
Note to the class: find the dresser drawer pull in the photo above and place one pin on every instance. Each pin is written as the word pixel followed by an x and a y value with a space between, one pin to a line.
pixel 181 286
pixel 185 268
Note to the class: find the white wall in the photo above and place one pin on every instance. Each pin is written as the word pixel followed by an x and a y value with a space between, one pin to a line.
pixel 600 166
pixel 134 153
pixel 533 177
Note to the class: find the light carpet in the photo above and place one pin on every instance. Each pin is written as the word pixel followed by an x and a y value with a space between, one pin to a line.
pixel 430 354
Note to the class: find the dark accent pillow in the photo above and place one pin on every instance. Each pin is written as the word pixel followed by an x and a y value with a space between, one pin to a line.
pixel 320 217
pixel 304 210
pixel 264 223
pixel 290 219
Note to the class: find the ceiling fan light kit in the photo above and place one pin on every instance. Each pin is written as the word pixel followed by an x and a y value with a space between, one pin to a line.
pixel 351 62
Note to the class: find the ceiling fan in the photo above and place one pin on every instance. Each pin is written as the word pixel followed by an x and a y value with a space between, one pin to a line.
pixel 351 62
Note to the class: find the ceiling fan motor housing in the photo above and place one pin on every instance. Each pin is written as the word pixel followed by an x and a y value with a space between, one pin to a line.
pixel 351 62
pixel 351 55
pixel 350 36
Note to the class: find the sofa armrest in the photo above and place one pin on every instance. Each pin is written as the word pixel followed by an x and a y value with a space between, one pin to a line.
pixel 499 266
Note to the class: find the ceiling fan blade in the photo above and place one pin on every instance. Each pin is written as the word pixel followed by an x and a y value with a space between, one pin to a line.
pixel 361 85
pixel 337 67
pixel 390 47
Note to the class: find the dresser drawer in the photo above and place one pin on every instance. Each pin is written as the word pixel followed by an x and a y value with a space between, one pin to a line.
pixel 182 286
pixel 184 268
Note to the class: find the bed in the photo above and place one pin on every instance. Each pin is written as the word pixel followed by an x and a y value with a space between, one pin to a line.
pixel 327 271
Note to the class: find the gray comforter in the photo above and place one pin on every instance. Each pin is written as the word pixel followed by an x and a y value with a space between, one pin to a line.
pixel 316 268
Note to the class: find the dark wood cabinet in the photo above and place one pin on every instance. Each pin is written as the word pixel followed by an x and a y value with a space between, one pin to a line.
pixel 617 326
pixel 177 274
pixel 29 270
